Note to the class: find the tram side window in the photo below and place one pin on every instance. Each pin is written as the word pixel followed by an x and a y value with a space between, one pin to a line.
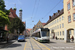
pixel 38 34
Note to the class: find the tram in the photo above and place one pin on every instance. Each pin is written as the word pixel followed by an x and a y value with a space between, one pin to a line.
pixel 42 35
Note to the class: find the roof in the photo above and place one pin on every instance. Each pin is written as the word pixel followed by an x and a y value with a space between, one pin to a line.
pixel 23 22
pixel 43 24
pixel 28 29
pixel 14 8
pixel 12 13
pixel 20 9
pixel 55 15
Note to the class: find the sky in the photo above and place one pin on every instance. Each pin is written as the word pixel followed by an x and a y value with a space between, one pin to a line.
pixel 35 10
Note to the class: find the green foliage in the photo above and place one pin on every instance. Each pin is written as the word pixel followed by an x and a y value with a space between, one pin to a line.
pixel 4 18
pixel 3 14
pixel 16 24
pixel 2 7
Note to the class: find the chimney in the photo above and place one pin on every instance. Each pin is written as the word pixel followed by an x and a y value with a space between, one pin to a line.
pixel 58 11
pixel 54 14
pixel 49 17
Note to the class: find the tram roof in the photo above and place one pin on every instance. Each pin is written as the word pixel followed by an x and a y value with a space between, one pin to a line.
pixel 37 31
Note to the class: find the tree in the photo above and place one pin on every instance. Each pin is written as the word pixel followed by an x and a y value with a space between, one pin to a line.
pixel 3 18
pixel 16 24
pixel 3 14
pixel 2 7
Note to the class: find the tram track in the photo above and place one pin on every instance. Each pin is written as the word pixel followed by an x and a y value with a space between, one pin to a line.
pixel 54 47
pixel 36 44
pixel 31 45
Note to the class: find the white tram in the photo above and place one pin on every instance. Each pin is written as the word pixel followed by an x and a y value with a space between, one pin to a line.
pixel 42 35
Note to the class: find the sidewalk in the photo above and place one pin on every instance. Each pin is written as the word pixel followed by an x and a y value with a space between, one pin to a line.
pixel 61 41
pixel 5 44
pixel 57 40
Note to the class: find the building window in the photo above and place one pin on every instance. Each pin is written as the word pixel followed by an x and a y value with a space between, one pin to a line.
pixel 68 6
pixel 63 32
pixel 62 17
pixel 62 25
pixel 37 26
pixel 60 32
pixel 58 26
pixel 73 2
pixel 12 12
pixel 57 20
pixel 74 16
pixel 69 18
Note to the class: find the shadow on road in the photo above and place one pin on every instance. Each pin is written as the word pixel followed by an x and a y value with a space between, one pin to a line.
pixel 52 42
pixel 48 42
pixel 22 41
pixel 14 45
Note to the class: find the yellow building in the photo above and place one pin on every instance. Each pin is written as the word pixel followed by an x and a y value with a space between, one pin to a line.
pixel 62 23
pixel 38 25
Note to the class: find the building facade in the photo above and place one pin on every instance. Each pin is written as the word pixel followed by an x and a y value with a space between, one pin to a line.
pixel 38 25
pixel 61 24
pixel 20 14
pixel 27 34
pixel 31 32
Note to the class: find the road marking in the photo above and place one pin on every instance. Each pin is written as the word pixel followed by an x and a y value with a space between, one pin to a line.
pixel 42 45
pixel 25 45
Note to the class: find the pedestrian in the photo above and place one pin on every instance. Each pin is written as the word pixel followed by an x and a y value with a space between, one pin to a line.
pixel 53 37
pixel 72 38
pixel 56 37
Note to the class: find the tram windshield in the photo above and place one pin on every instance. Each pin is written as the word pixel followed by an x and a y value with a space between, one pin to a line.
pixel 45 33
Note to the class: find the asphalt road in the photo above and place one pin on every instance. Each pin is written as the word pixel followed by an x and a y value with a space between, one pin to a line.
pixel 60 45
pixel 31 44
pixel 15 46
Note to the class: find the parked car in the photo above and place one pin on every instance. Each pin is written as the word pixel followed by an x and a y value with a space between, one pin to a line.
pixel 21 38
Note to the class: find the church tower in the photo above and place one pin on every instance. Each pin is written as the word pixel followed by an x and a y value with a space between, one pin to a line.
pixel 20 14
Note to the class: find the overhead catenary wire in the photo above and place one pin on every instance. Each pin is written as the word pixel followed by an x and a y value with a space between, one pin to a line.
pixel 51 9
pixel 34 8
pixel 37 7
